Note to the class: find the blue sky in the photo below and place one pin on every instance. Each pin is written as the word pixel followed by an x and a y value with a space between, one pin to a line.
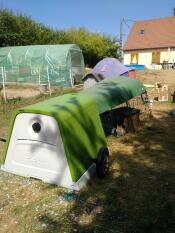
pixel 101 16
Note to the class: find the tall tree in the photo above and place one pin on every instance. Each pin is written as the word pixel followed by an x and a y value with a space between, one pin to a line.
pixel 19 29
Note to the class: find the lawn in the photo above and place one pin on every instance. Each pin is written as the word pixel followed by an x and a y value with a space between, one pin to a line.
pixel 138 195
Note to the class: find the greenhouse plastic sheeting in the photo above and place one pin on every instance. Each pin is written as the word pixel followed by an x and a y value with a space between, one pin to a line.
pixel 61 64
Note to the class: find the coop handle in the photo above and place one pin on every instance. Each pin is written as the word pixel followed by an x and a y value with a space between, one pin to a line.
pixel 2 140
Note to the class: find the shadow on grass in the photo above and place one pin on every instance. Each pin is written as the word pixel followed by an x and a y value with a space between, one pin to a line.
pixel 138 195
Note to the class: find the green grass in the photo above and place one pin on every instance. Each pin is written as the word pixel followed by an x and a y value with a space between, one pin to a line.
pixel 138 195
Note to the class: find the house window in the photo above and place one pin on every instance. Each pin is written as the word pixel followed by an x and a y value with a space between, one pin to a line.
pixel 134 58
pixel 141 32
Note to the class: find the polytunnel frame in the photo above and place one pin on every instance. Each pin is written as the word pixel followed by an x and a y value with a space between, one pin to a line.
pixel 68 60
pixel 29 53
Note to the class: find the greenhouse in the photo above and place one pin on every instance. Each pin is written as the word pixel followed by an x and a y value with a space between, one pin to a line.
pixel 60 65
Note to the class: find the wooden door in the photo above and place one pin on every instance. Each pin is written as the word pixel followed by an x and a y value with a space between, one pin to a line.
pixel 155 57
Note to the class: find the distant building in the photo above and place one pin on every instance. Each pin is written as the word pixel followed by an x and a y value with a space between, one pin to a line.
pixel 151 42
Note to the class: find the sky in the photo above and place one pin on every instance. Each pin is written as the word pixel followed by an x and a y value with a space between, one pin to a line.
pixel 102 16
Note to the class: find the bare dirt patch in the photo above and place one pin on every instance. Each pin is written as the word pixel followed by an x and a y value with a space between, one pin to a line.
pixel 21 92
pixel 153 76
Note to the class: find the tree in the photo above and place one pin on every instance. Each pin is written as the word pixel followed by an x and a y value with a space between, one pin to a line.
pixel 19 29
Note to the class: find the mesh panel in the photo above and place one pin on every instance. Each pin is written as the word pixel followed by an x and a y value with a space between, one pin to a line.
pixel 107 123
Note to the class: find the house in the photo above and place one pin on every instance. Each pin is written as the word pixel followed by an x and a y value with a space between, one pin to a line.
pixel 151 42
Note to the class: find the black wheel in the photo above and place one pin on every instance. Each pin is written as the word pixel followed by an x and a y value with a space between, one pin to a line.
pixel 102 163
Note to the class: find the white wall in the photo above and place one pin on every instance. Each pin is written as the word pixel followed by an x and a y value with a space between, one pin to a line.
pixel 127 58
pixel 167 54
pixel 145 56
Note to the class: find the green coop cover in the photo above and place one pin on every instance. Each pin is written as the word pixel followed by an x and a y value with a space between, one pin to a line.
pixel 78 118
pixel 80 127
pixel 114 91
pixel 61 64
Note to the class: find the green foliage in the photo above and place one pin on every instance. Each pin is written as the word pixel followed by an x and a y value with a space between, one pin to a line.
pixel 93 45
pixel 22 30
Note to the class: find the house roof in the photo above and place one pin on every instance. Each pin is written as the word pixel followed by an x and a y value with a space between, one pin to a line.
pixel 149 34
